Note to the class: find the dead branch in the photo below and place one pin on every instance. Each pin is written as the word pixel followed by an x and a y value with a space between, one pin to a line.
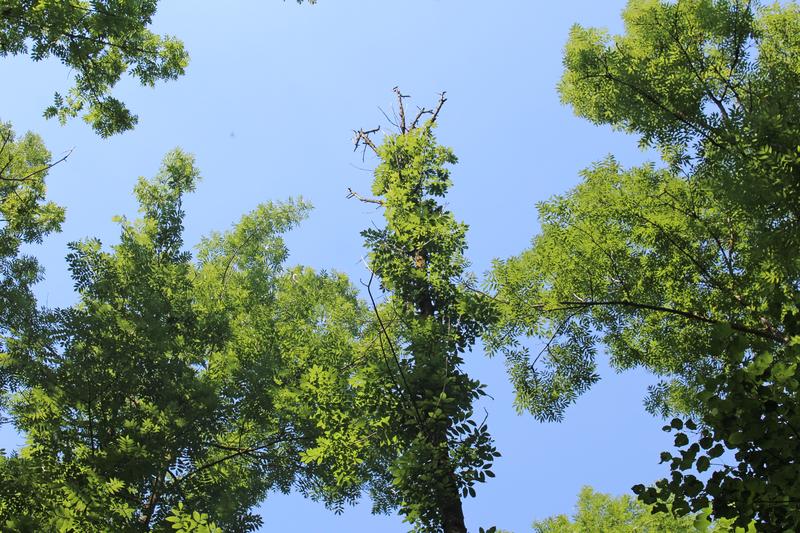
pixel 362 139
pixel 390 121
pixel 422 111
pixel 400 97
pixel 433 112
pixel 442 100
pixel 353 194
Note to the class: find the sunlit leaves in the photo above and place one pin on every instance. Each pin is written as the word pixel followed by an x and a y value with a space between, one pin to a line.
pixel 99 42
pixel 160 386
pixel 689 270
pixel 25 218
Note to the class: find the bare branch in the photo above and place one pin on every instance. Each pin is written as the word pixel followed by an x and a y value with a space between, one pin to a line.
pixel 400 97
pixel 390 121
pixel 433 112
pixel 362 138
pixel 422 111
pixel 45 168
pixel 353 194
pixel 442 100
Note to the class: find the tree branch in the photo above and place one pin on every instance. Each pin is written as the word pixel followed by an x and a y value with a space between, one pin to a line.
pixel 572 304
pixel 45 168
pixel 362 139
pixel 352 194
pixel 393 351
pixel 400 97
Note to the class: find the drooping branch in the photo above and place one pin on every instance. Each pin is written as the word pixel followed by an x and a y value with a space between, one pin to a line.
pixel 396 358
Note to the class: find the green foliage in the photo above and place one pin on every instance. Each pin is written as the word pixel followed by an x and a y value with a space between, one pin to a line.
pixel 688 270
pixel 403 427
pixel 37 494
pixel 25 218
pixel 183 521
pixel 638 261
pixel 162 386
pixel 100 41
pixel 596 511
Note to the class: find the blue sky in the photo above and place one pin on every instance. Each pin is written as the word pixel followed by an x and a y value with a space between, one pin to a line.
pixel 268 106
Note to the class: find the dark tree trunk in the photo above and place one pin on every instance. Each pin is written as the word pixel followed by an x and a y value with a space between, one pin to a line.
pixel 450 507
pixel 449 500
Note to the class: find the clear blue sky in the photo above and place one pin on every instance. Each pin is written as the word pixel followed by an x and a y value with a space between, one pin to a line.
pixel 268 106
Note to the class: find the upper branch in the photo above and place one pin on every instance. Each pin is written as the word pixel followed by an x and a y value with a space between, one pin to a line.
pixel 433 112
pixel 770 333
pixel 362 138
pixel 402 109
pixel 353 194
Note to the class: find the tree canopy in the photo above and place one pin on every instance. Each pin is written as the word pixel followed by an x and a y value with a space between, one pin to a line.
pixel 183 387
pixel 687 269
pixel 100 41
pixel 596 511
pixel 159 389
pixel 409 409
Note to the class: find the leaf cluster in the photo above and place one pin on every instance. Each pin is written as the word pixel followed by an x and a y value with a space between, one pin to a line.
pixel 100 41
pixel 685 269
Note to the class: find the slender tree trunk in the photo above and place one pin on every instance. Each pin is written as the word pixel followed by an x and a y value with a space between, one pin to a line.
pixel 449 500
pixel 451 509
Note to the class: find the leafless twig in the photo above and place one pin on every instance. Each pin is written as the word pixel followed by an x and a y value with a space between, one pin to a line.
pixel 362 139
pixel 353 194
pixel 400 97
pixel 433 112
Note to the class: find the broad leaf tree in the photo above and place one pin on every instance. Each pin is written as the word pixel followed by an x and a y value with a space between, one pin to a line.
pixel 405 428
pixel 687 268
pixel 25 218
pixel 596 511
pixel 100 41
pixel 160 397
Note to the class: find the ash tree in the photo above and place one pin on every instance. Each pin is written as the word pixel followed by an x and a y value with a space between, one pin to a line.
pixel 404 429
pixel 687 268
pixel 164 396
pixel 101 41
pixel 25 219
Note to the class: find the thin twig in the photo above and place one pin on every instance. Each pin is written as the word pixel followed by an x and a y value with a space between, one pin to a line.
pixel 37 171
pixel 353 194
pixel 400 97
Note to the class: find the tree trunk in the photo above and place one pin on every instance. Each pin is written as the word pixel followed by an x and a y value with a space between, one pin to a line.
pixel 449 500
pixel 450 507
